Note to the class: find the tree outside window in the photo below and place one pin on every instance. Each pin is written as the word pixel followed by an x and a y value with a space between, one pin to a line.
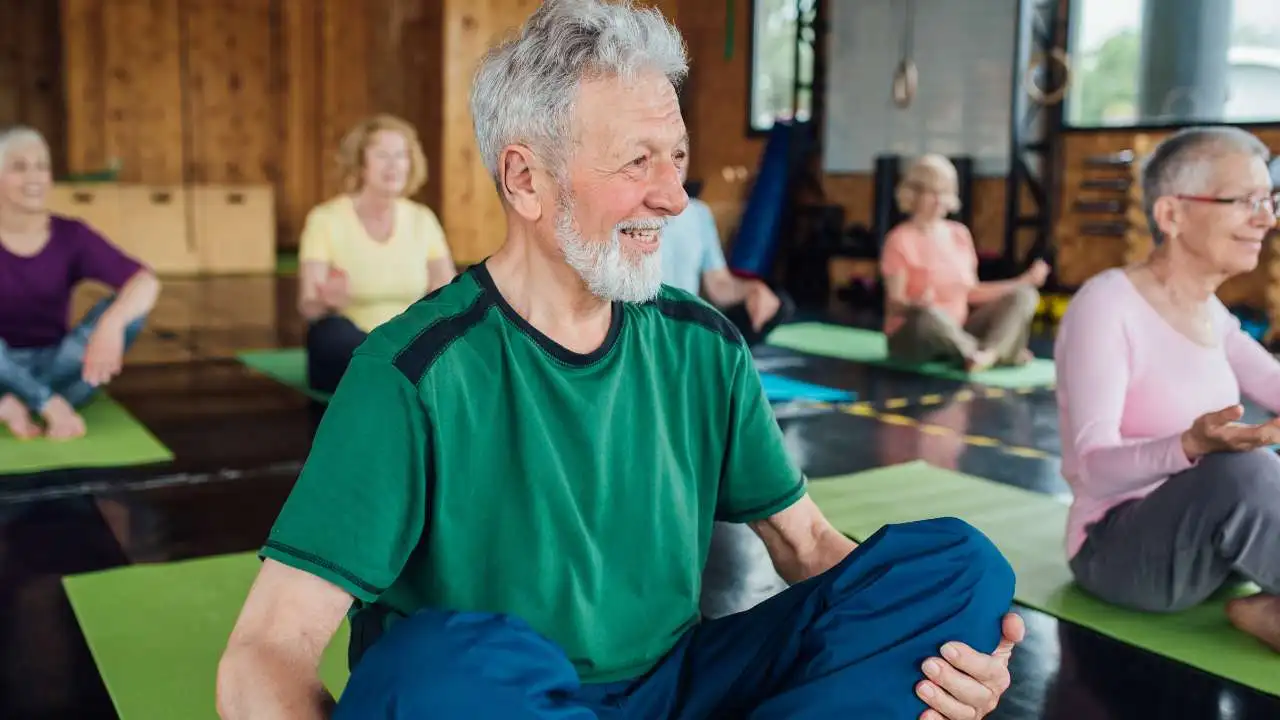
pixel 1107 56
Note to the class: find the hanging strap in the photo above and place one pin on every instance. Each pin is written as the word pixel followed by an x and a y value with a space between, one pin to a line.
pixel 907 76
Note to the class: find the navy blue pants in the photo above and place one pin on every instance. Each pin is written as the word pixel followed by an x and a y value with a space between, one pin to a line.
pixel 846 644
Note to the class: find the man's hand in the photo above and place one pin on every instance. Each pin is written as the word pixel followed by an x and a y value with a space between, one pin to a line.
pixel 762 304
pixel 967 685
pixel 104 354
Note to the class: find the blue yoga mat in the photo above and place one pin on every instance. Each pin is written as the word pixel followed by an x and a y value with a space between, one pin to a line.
pixel 783 389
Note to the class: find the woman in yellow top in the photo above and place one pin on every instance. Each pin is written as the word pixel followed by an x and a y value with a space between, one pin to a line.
pixel 369 253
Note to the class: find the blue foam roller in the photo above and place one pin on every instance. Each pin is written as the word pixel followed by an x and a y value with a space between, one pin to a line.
pixel 756 242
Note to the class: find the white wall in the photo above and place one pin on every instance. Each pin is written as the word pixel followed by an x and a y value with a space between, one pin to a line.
pixel 964 51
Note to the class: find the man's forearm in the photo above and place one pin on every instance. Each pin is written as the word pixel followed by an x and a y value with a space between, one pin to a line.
pixel 259 684
pixel 830 549
pixel 728 291
pixel 798 561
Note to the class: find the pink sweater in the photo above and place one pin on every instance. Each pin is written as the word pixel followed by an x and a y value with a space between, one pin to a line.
pixel 1129 385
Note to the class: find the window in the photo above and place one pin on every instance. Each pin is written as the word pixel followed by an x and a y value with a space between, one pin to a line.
pixel 773 62
pixel 1235 72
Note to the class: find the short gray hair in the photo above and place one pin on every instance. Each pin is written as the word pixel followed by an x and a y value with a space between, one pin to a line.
pixel 16 135
pixel 524 89
pixel 1181 162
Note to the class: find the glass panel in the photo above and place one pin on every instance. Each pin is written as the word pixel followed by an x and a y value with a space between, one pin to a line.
pixel 1173 62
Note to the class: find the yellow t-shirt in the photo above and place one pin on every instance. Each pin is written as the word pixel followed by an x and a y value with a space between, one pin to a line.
pixel 383 278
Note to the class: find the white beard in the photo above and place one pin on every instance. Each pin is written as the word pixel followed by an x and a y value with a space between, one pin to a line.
pixel 604 267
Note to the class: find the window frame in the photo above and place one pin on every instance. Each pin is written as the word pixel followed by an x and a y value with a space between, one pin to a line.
pixel 751 130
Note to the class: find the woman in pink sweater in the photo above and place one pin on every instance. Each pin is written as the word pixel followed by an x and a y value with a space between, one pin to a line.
pixel 1173 495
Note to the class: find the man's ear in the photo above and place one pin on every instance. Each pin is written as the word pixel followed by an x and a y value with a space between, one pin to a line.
pixel 517 175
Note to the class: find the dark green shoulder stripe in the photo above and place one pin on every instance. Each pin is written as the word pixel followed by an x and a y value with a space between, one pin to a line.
pixel 321 562
pixel 416 358
pixel 700 314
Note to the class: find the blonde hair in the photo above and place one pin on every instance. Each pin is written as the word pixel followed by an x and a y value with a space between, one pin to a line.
pixel 931 173
pixel 357 140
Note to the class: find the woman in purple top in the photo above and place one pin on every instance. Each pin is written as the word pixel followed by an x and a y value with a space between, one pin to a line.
pixel 49 368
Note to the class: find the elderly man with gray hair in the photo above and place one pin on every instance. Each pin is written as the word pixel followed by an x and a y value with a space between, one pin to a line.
pixel 513 490
pixel 1174 495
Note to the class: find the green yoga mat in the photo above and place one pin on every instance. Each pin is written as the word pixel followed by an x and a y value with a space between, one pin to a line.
pixel 288 367
pixel 157 632
pixel 113 438
pixel 1028 528
pixel 870 347
pixel 287 264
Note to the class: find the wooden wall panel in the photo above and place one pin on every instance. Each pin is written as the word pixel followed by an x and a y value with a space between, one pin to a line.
pixel 246 91
pixel 344 84
pixel 30 68
pixel 473 218
pixel 302 155
pixel 230 91
pixel 420 49
pixel 143 89
pixel 716 95
pixel 84 54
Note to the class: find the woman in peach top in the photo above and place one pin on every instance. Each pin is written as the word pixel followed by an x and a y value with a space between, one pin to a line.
pixel 930 270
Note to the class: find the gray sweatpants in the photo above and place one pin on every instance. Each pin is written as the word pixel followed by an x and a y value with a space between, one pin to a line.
pixel 1204 526
pixel 739 574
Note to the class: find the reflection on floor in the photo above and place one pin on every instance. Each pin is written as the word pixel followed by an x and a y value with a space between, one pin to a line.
pixel 239 439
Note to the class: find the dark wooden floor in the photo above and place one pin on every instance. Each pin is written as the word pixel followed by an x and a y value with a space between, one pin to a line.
pixel 239 439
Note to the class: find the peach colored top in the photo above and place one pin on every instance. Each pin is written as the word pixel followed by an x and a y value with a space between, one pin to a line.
pixel 946 264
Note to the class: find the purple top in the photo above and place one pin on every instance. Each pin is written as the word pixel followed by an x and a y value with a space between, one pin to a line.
pixel 35 292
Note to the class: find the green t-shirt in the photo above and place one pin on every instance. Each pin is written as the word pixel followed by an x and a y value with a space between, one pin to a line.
pixel 467 462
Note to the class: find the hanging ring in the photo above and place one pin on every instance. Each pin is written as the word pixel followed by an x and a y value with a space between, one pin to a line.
pixel 1040 60
pixel 905 81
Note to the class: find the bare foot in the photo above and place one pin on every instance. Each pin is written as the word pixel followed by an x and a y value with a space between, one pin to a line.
pixel 1024 357
pixel 1258 615
pixel 61 420
pixel 18 419
pixel 980 360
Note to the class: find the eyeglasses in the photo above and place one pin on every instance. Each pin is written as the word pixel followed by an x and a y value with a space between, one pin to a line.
pixel 1254 204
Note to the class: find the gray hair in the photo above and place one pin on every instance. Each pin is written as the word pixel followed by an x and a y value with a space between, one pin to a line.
pixel 17 135
pixel 1181 163
pixel 524 89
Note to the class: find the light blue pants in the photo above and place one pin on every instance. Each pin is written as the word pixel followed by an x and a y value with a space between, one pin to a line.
pixel 34 375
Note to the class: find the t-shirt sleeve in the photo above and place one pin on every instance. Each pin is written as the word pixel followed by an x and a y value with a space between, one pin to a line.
pixel 759 478
pixel 98 259
pixel 966 245
pixel 358 509
pixel 433 233
pixel 316 242
pixel 709 238
pixel 894 258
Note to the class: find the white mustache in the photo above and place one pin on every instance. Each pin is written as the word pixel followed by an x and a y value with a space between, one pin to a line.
pixel 646 224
